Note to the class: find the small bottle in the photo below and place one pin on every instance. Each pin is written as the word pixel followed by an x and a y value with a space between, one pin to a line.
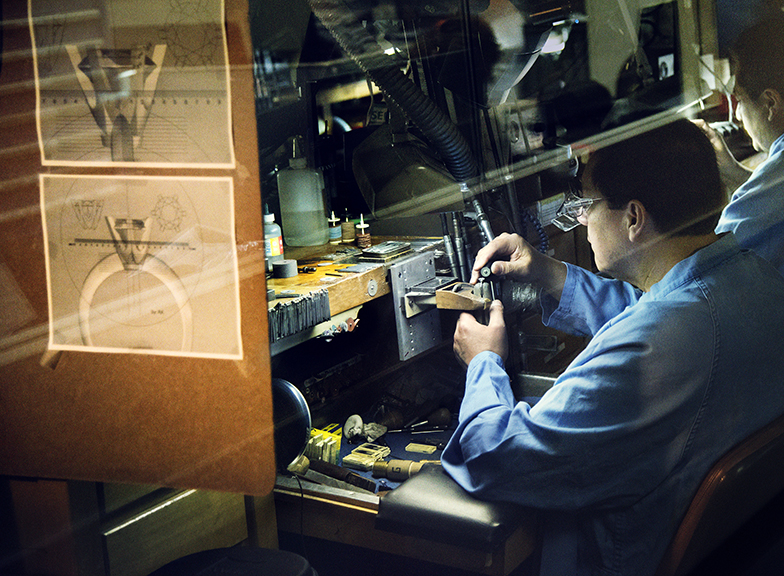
pixel 273 241
pixel 335 231
pixel 302 209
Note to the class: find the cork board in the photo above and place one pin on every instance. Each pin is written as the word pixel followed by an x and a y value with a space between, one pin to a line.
pixel 170 420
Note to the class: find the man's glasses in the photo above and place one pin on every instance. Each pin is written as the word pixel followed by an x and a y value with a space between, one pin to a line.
pixel 573 207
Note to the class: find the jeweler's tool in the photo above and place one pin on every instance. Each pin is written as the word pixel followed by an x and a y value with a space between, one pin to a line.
pixel 438 420
pixel 483 221
pixel 440 417
pixel 342 474
pixel 459 247
pixel 399 470
pixel 449 247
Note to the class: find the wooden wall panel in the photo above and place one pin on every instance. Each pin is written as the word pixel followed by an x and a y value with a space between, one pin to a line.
pixel 173 421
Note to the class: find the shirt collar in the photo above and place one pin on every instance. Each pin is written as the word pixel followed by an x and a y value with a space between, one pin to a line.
pixel 695 265
pixel 777 146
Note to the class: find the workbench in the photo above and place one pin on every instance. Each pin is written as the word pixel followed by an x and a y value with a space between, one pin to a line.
pixel 436 521
pixel 356 518
pixel 338 269
pixel 349 517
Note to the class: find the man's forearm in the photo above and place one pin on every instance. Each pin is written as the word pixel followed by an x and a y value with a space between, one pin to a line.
pixel 550 275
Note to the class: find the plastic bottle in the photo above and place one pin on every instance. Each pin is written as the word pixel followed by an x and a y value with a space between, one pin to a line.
pixel 273 241
pixel 302 211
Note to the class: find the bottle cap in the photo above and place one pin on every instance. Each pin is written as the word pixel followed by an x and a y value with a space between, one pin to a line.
pixel 269 217
pixel 297 159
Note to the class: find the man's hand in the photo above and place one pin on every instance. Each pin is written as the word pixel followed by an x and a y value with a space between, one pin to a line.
pixel 733 173
pixel 512 257
pixel 471 337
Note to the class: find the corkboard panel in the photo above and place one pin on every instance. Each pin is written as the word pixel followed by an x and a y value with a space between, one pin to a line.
pixel 171 421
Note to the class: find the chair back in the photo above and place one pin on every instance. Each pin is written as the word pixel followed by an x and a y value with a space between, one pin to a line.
pixel 738 486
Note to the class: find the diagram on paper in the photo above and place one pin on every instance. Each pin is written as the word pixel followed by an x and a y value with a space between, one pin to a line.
pixel 132 84
pixel 140 264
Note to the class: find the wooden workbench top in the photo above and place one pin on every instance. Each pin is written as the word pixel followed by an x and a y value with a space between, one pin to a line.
pixel 337 268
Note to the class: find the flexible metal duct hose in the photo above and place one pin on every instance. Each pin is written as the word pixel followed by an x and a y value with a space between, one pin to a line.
pixel 436 126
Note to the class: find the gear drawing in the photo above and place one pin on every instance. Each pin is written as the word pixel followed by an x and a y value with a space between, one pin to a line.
pixel 169 213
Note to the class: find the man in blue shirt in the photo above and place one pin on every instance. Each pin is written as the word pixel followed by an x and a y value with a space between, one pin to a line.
pixel 756 209
pixel 677 371
pixel 755 213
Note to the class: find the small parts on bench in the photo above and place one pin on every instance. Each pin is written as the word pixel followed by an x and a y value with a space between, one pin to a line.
pixel 364 456
pixel 356 431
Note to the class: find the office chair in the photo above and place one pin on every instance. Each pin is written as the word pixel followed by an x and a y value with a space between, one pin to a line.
pixel 739 485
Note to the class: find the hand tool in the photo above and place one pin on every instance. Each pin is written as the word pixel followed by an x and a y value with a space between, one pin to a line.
pixel 398 470
pixel 342 474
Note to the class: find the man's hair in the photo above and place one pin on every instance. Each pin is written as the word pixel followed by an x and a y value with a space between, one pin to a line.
pixel 757 57
pixel 671 170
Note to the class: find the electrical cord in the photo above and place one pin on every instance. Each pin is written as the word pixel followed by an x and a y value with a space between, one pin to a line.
pixel 303 547
pixel 544 240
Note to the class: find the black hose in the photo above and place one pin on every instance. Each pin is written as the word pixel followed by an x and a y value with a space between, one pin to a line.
pixel 434 124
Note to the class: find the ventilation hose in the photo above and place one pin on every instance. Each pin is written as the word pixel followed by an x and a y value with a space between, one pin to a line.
pixel 436 126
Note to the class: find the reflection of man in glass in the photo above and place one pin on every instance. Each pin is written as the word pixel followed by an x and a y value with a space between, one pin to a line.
pixel 756 209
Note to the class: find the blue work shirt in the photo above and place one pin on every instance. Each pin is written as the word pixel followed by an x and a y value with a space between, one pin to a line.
pixel 615 451
pixel 755 213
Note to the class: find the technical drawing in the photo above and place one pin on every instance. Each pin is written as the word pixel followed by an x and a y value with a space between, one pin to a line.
pixel 186 50
pixel 132 84
pixel 119 88
pixel 142 264
pixel 88 213
pixel 169 213
pixel 131 243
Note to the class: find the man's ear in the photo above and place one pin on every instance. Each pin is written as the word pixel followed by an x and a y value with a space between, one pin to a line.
pixel 773 100
pixel 636 220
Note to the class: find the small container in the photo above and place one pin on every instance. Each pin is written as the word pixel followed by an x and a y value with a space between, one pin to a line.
pixel 348 233
pixel 273 241
pixel 335 230
pixel 363 236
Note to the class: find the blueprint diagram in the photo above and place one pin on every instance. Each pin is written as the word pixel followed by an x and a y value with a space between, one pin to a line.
pixel 142 264
pixel 129 83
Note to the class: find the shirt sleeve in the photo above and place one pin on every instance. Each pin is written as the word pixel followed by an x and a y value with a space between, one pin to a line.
pixel 587 303
pixel 754 214
pixel 628 397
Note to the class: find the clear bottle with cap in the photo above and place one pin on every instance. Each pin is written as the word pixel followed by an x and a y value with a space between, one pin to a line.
pixel 273 240
pixel 302 210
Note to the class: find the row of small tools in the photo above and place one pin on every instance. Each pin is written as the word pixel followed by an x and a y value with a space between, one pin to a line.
pixel 456 244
